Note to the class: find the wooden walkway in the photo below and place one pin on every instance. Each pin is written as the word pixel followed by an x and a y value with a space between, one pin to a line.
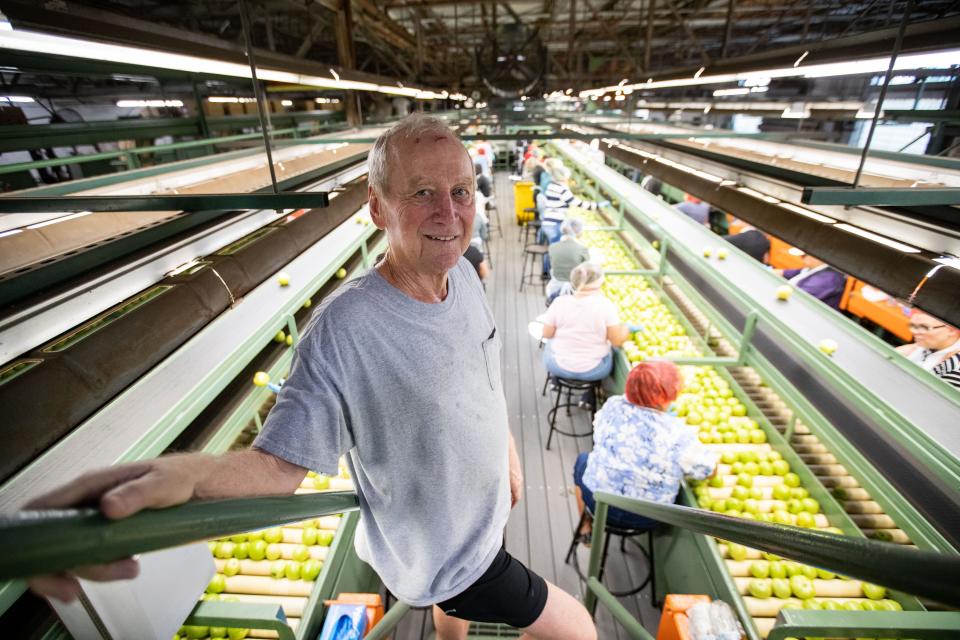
pixel 541 526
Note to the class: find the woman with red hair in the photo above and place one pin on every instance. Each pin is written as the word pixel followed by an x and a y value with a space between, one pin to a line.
pixel 639 450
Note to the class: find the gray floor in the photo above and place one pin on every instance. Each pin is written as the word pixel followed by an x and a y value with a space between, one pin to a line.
pixel 541 526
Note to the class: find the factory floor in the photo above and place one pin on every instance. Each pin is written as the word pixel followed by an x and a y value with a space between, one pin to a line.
pixel 541 526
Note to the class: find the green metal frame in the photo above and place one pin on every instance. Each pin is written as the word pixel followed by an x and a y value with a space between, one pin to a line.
pixel 910 158
pixel 881 196
pixel 933 625
pixel 939 461
pixel 178 202
pixel 245 615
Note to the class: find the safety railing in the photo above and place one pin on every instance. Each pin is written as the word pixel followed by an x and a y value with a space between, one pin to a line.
pixel 927 574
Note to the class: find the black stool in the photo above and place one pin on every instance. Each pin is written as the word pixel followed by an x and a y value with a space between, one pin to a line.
pixel 493 217
pixel 569 386
pixel 624 534
pixel 528 226
pixel 532 270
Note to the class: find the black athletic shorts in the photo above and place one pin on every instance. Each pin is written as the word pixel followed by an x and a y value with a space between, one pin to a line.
pixel 506 593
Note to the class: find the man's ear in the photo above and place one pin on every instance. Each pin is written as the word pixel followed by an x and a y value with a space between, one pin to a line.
pixel 376 212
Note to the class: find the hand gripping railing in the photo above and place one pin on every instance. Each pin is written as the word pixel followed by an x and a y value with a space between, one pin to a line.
pixel 921 573
pixel 44 542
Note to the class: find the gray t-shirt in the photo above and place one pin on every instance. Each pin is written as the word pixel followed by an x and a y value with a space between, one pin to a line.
pixel 412 391
pixel 565 255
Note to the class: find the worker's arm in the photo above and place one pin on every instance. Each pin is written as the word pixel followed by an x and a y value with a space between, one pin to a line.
pixel 516 474
pixel 124 490
pixel 549 330
pixel 483 270
pixel 617 334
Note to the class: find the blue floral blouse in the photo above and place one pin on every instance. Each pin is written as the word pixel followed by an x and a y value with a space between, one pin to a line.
pixel 643 453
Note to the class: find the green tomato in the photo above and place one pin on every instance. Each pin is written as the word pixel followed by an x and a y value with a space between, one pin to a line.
pixel 218 632
pixel 716 482
pixel 218 584
pixel 273 534
pixel 780 467
pixel 890 605
pixel 751 506
pixel 756 493
pixel 239 634
pixel 735 504
pixel 292 570
pixel 751 468
pixel 324 538
pixel 772 557
pixel 766 469
pixel 760 569
pixel 781 492
pixel 874 592
pixel 242 551
pixel 812 604
pixel 810 505
pixel 793 568
pixel 232 568
pixel 737 552
pixel 743 436
pixel 224 550
pixel 704 503
pixel 760 589
pixel 728 457
pixel 782 517
pixel 791 480
pixel 823 574
pixel 236 539
pixel 805 519
pixel 799 493
pixel 802 587
pixel 311 569
pixel 740 493
pixel 810 572
pixel 778 569
pixel 720 506
pixel 321 483
pixel 194 632
pixel 852 605
pixel 310 536
pixel 869 605
pixel 745 480
pixel 736 468
pixel 758 437
pixel 258 550
pixel 781 588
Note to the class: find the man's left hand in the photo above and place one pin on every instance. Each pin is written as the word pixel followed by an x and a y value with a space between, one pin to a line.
pixel 516 487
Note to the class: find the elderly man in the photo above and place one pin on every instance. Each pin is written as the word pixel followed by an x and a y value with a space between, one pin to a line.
pixel 399 369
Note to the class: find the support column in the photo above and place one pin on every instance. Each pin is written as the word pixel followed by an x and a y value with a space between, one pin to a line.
pixel 347 58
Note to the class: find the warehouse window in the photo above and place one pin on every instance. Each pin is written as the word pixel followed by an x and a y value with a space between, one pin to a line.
pixel 110 316
pixel 14 369
pixel 246 241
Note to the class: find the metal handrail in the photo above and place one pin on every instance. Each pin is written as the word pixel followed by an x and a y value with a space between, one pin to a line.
pixel 53 541
pixel 926 574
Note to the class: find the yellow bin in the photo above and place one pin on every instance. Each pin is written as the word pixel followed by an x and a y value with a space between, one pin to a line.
pixel 523 199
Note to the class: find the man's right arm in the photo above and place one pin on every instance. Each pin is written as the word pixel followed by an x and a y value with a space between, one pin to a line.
pixel 124 490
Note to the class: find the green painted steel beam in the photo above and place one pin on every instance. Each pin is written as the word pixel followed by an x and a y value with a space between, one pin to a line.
pixel 39 536
pixel 929 625
pixel 909 158
pixel 178 202
pixel 632 626
pixel 243 615
pixel 388 622
pixel 881 196
pixel 136 151
pixel 923 573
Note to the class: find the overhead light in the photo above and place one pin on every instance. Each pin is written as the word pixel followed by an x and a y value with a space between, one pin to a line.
pixel 10 232
pixel 870 235
pixel 622 82
pixel 46 223
pixel 17 98
pixel 35 42
pixel 699 72
pixel 938 60
pixel 230 99
pixel 709 176
pixel 286 103
pixel 800 59
pixel 148 103
pixel 739 91
pixel 819 217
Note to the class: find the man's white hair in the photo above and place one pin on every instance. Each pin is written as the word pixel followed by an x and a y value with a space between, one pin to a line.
pixel 387 147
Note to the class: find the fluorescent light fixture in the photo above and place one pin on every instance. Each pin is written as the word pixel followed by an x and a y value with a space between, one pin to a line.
pixel 819 217
pixel 866 113
pixel 148 103
pixel 17 98
pixel 286 103
pixel 950 261
pixel 709 176
pixel 35 42
pixel 800 59
pixel 728 183
pixel 699 72
pixel 10 232
pixel 757 194
pixel 938 60
pixel 739 91
pixel 869 235
pixel 230 99
pixel 45 223
pixel 758 89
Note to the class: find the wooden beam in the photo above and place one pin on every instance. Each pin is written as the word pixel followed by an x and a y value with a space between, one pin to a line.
pixel 648 41
pixel 346 54
pixel 728 29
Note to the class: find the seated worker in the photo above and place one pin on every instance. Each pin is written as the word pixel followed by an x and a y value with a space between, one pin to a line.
pixel 484 185
pixel 695 208
pixel 564 256
pixel 639 450
pixel 581 328
pixel 475 257
pixel 935 346
pixel 557 199
pixel 752 242
pixel 550 166
pixel 818 279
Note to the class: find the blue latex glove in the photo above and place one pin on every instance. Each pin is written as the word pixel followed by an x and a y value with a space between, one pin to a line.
pixel 635 328
pixel 603 203
pixel 672 409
